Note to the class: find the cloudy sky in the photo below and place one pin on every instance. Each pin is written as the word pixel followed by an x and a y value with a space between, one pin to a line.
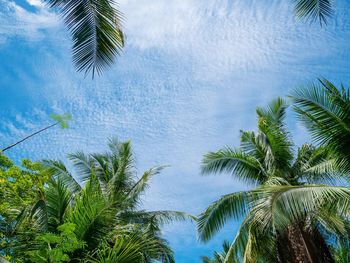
pixel 189 79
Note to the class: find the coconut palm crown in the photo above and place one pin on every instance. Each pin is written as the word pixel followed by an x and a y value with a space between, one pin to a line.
pixel 288 207
pixel 105 212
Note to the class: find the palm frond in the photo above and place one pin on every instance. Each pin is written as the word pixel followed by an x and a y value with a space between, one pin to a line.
pixel 92 216
pixel 133 247
pixel 256 144
pixel 102 167
pixel 331 221
pixel 40 216
pixel 59 170
pixel 153 220
pixel 84 164
pixel 326 113
pixel 315 165
pixel 236 162
pixel 276 139
pixel 139 187
pixel 216 215
pixel 341 250
pixel 280 206
pixel 238 246
pixel 276 181
pixel 58 198
pixel 95 27
pixel 122 163
pixel 274 113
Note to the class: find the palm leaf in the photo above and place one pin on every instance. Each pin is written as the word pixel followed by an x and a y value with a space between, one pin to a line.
pixel 216 215
pixel 275 112
pixel 326 113
pixel 92 216
pixel 39 214
pixel 315 165
pixel 280 206
pixel 84 164
pixel 275 139
pixel 59 170
pixel 243 166
pixel 238 246
pixel 95 27
pixel 139 187
pixel 58 199
pixel 133 247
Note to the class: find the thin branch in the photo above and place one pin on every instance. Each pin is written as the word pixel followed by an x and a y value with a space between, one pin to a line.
pixel 29 136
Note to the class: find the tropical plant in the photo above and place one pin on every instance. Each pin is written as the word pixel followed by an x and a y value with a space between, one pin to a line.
pixel 56 247
pixel 289 215
pixel 61 120
pixel 129 247
pixel 95 27
pixel 20 186
pixel 105 211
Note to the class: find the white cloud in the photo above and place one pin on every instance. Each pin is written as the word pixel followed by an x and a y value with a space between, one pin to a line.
pixel 37 3
pixel 220 35
pixel 27 24
pixel 190 78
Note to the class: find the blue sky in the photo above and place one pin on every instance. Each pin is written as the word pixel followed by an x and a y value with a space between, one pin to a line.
pixel 189 79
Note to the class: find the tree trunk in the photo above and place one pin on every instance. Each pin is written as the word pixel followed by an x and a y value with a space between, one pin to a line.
pixel 302 246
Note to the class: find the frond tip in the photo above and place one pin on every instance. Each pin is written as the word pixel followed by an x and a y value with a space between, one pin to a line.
pixel 314 10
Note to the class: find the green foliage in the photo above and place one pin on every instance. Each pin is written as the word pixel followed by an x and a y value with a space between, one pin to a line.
pixel 136 246
pixel 95 27
pixel 283 195
pixel 104 212
pixel 56 248
pixel 20 187
pixel 62 119
pixel 341 251
pixel 325 111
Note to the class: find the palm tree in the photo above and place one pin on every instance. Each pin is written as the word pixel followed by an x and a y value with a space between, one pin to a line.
pixel 95 27
pixel 286 217
pixel 324 109
pixel 105 211
pixel 61 120
pixel 314 10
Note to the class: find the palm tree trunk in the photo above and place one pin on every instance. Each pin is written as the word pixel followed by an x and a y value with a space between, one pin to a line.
pixel 27 137
pixel 297 245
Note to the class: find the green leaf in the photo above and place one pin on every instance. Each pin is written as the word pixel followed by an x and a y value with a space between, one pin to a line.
pixel 216 215
pixel 95 27
pixel 62 119
pixel 234 161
